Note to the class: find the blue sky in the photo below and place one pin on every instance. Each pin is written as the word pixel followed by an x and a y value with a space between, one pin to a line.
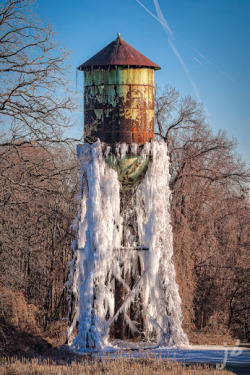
pixel 210 36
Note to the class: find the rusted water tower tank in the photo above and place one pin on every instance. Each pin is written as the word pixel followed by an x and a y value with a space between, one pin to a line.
pixel 119 95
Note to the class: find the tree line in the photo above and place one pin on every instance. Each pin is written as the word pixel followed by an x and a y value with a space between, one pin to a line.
pixel 39 180
pixel 210 217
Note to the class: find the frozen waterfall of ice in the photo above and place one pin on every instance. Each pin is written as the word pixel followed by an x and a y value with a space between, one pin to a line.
pixel 96 260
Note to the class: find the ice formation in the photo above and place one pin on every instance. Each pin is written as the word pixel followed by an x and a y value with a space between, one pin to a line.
pixel 100 256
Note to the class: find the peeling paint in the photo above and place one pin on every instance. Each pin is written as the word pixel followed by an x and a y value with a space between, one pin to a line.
pixel 120 101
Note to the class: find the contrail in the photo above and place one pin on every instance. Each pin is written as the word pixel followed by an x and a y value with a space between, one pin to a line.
pixel 185 69
pixel 202 56
pixel 161 17
pixel 208 61
pixel 211 63
pixel 198 61
pixel 165 25
pixel 147 10
pixel 226 75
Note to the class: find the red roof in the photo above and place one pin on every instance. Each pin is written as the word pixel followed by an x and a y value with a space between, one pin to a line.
pixel 118 52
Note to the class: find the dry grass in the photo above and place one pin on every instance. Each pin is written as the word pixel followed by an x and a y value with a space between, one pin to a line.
pixel 206 337
pixel 93 366
pixel 17 312
pixel 56 333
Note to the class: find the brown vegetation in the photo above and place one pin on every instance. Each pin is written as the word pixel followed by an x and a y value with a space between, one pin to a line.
pixel 37 177
pixel 37 207
pixel 121 366
pixel 210 217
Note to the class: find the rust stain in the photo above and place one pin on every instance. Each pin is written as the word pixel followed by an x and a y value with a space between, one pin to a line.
pixel 119 105
pixel 119 95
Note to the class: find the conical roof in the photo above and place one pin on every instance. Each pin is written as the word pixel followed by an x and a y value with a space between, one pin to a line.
pixel 118 52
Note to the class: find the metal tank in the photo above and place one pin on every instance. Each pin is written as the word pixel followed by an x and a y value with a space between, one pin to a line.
pixel 119 95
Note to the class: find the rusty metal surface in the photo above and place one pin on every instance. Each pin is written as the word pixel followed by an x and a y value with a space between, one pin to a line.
pixel 119 105
pixel 118 53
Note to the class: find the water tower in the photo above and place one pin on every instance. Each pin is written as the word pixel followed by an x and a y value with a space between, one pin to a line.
pixel 122 279
pixel 119 95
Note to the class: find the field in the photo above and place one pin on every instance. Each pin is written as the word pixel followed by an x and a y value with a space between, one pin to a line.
pixel 94 366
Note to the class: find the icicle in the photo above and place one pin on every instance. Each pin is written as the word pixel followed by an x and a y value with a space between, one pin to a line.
pixel 97 251
pixel 162 301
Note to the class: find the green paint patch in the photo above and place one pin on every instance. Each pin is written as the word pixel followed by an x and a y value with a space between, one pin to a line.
pixel 130 170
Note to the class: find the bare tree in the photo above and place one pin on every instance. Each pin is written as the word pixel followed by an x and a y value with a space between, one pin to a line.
pixel 209 216
pixel 37 207
pixel 35 96
pixel 37 160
